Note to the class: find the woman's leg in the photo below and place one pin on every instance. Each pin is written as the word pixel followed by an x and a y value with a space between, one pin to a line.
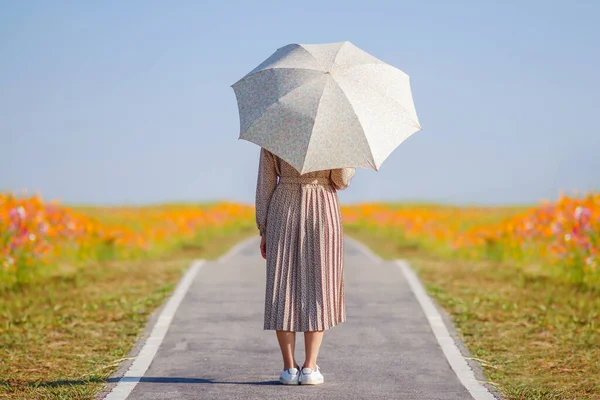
pixel 312 343
pixel 287 343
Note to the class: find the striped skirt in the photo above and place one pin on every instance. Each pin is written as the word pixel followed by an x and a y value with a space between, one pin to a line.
pixel 304 243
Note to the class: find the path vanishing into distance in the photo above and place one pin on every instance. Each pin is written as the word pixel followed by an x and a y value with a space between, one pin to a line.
pixel 207 341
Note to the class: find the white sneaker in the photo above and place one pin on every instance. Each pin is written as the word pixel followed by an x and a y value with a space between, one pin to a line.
pixel 310 377
pixel 290 376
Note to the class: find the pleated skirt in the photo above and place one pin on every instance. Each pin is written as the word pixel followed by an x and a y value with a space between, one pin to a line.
pixel 304 245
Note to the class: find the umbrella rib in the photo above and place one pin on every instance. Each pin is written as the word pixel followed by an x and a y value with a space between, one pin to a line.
pixel 358 119
pixel 316 116
pixel 338 53
pixel 406 113
pixel 271 68
pixel 314 58
pixel 323 69
pixel 278 101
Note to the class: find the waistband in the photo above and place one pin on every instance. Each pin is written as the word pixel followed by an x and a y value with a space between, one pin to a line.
pixel 304 180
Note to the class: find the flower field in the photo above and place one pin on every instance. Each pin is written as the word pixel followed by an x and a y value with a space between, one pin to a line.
pixel 34 233
pixel 564 234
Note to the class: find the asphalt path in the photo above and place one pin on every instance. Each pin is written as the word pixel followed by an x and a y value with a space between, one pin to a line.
pixel 214 346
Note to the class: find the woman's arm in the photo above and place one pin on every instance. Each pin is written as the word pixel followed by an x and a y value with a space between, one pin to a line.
pixel 341 177
pixel 265 185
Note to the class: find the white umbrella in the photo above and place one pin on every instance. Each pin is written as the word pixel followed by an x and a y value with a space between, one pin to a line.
pixel 325 106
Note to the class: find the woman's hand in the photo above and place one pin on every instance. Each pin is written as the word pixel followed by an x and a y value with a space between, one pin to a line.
pixel 263 247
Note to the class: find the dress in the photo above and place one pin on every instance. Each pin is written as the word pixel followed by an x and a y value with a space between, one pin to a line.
pixel 300 216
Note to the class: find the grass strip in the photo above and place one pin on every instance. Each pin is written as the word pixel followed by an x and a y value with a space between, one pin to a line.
pixel 63 336
pixel 536 336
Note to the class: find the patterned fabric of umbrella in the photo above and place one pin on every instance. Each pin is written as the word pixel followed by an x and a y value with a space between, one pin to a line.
pixel 326 106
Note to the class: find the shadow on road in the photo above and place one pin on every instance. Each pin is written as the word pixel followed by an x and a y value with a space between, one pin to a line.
pixel 149 379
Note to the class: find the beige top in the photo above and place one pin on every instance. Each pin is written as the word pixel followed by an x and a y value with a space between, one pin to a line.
pixel 271 167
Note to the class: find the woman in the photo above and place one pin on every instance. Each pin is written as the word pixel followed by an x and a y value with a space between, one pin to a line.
pixel 299 220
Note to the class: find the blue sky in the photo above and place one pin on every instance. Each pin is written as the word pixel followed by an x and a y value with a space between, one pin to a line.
pixel 130 102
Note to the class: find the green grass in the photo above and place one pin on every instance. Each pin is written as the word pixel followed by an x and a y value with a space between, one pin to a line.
pixel 63 335
pixel 538 336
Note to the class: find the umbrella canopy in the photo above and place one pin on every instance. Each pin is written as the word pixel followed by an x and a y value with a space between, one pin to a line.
pixel 326 106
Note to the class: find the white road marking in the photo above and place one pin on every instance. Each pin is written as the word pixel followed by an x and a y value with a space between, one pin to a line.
pixel 236 249
pixel 453 355
pixel 364 249
pixel 141 363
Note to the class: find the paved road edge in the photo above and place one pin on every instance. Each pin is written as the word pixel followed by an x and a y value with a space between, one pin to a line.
pixel 464 370
pixel 457 354
pixel 130 372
